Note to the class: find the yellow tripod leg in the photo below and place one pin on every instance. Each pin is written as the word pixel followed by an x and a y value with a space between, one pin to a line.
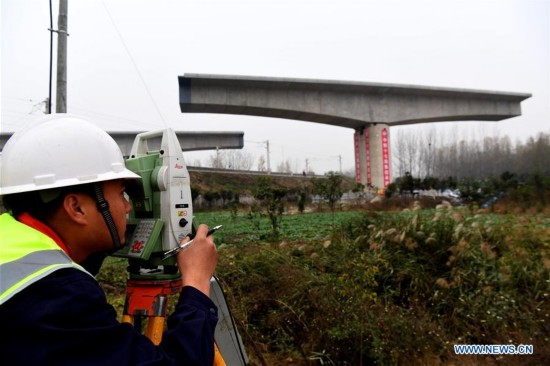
pixel 138 297
pixel 218 359
pixel 127 319
pixel 155 326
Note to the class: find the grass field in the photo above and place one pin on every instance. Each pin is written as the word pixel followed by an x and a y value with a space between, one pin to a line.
pixel 243 228
pixel 393 288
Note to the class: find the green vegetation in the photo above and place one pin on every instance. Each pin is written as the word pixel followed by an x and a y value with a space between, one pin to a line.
pixel 377 287
pixel 397 288
pixel 329 188
pixel 381 288
pixel 244 229
pixel 270 201
pixel 389 283
pixel 528 192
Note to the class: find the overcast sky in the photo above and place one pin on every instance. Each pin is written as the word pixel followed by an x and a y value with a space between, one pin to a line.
pixel 125 56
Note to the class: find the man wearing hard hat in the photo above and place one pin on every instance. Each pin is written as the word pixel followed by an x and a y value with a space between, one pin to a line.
pixel 63 183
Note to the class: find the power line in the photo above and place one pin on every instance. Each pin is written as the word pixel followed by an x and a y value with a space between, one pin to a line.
pixel 108 116
pixel 134 63
pixel 19 99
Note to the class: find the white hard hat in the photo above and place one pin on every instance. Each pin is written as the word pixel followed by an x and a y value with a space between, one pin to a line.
pixel 60 150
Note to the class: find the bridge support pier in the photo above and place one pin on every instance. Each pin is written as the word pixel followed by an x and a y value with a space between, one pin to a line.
pixel 372 155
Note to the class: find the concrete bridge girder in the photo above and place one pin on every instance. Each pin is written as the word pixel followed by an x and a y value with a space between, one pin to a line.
pixel 189 140
pixel 357 105
pixel 344 104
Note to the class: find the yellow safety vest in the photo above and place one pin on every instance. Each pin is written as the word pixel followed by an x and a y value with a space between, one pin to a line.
pixel 26 256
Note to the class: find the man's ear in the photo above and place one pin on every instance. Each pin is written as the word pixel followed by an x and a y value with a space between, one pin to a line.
pixel 77 207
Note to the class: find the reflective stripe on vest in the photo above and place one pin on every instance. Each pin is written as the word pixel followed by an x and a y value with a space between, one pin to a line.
pixel 26 256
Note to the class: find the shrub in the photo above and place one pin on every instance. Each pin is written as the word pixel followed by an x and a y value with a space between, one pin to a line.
pixel 397 289
pixel 383 288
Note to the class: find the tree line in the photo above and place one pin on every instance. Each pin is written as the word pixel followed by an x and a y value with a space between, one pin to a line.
pixel 428 155
pixel 481 170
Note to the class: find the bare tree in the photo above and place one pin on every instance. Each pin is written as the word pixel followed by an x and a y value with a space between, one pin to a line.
pixel 237 159
pixel 284 167
pixel 426 150
pixel 231 159
pixel 468 154
pixel 196 162
pixel 216 160
pixel 262 164
pixel 535 154
pixel 405 152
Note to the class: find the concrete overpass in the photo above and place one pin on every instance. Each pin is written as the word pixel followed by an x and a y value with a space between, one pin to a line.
pixel 189 141
pixel 369 108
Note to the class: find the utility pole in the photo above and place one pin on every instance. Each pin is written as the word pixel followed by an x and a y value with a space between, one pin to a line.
pixel 61 86
pixel 340 161
pixel 268 164
pixel 49 98
pixel 217 164
pixel 266 142
pixel 48 106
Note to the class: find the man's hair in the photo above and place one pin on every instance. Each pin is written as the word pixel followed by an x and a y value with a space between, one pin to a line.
pixel 43 204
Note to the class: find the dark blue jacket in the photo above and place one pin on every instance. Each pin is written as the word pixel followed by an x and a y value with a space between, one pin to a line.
pixel 64 319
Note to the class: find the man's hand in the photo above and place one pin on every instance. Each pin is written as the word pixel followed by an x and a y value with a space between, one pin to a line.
pixel 198 262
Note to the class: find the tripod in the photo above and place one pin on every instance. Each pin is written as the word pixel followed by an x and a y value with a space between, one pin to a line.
pixel 148 299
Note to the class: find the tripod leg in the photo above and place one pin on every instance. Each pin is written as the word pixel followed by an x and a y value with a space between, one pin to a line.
pixel 149 299
pixel 218 359
pixel 127 319
pixel 155 326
